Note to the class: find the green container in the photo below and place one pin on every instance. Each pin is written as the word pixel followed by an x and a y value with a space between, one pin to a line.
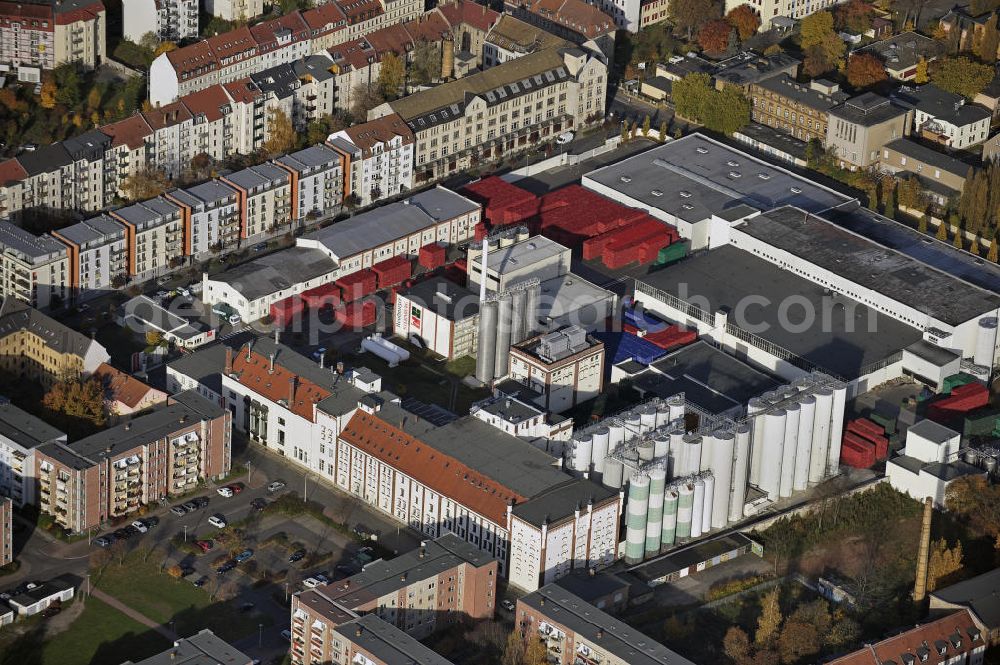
pixel 981 423
pixel 674 252
pixel 889 424
pixel 954 381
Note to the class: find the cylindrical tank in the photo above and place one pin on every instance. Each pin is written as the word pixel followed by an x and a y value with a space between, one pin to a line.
pixel 518 301
pixel 486 357
pixel 821 434
pixel 617 435
pixel 531 310
pixel 698 508
pixel 707 446
pixel 669 532
pixel 836 428
pixel 722 468
pixel 645 450
pixel 654 517
pixel 788 450
pixel 676 405
pixel 755 406
pixel 692 456
pixel 612 476
pixel 990 465
pixel 709 508
pixel 972 457
pixel 633 425
pixel 503 335
pixel 583 452
pixel 773 442
pixel 635 523
pixel 601 437
pixel 678 451
pixel 803 444
pixel 986 342
pixel 685 507
pixel 741 469
pixel 647 418
pixel 661 445
pixel 662 414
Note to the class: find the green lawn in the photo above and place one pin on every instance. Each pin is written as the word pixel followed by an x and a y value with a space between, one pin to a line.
pixel 100 635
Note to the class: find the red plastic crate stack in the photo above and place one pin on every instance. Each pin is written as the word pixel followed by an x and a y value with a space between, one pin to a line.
pixel 504 203
pixel 480 231
pixel 431 256
pixel 285 311
pixel 673 337
pixel 856 452
pixel 327 295
pixel 871 432
pixel 637 241
pixel 963 399
pixel 574 214
pixel 357 285
pixel 392 271
pixel 357 314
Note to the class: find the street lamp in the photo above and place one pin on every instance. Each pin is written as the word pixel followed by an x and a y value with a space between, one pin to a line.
pixel 249 474
pixel 260 635
pixel 185 533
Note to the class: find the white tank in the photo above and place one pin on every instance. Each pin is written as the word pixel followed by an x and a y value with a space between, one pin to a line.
pixel 722 468
pixel 685 507
pixel 616 437
pixel 582 454
pixel 646 450
pixel 707 446
pixel 803 443
pixel 669 531
pixel 633 425
pixel 755 406
pixel 647 418
pixel 986 342
pixel 635 522
pixel 661 445
pixel 741 469
pixel 677 453
pixel 662 414
pixel 613 471
pixel 770 463
pixel 698 508
pixel 654 517
pixel 601 438
pixel 676 405
pixel 836 427
pixel 706 513
pixel 821 434
pixel 692 458
pixel 788 450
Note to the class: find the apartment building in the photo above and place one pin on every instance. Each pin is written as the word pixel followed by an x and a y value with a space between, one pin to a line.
pixel 38 348
pixel 168 20
pixel 574 20
pixel 572 629
pixel 305 89
pixel 265 198
pixel 93 183
pixel 6 532
pixel 20 434
pixel 944 117
pixel 51 33
pixel 235 10
pixel 859 128
pixel 565 367
pixel 151 457
pixel 199 649
pixel 371 641
pixel 210 213
pixel 501 111
pixel 98 256
pixel 443 582
pixel 378 158
pixel 47 181
pixel 900 54
pixel 155 236
pixel 512 38
pixel 317 181
pixel 801 110
pixel 33 269
pixel 768 10
pixel 954 639
pixel 124 394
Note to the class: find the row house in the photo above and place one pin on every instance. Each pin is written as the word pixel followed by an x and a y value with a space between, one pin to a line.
pixel 210 213
pixel 146 459
pixel 799 109
pixel 98 256
pixel 235 10
pixel 378 158
pixel 33 269
pixel 155 236
pixel 574 20
pixel 168 20
pixel 317 181
pixel 265 198
pixel 48 34
pixel 305 90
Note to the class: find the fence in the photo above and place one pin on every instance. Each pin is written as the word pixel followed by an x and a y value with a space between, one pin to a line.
pixel 565 159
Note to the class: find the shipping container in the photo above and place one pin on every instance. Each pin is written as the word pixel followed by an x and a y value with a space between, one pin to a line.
pixel 982 422
pixel 963 399
pixel 432 256
pixel 954 381
pixel 888 423
pixel 327 295
pixel 675 251
pixel 392 271
pixel 357 285
pixel 284 312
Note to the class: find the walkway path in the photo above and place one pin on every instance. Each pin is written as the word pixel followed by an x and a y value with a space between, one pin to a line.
pixel 133 614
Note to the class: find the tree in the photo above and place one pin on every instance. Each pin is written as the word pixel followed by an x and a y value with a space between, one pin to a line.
pixel 68 84
pixel 920 77
pixel 797 641
pixel 745 20
pixel 281 136
pixel 513 653
pixel 48 94
pixel 922 225
pixel 974 248
pixel 425 65
pixel 364 99
pixel 714 36
pixel 81 399
pixel 910 194
pixel 943 562
pixel 854 16
pixel 942 231
pixel 689 15
pixel 770 618
pixel 961 76
pixel 164 47
pixel 94 99
pixel 822 46
pixel 973 497
pixel 864 70
pixel 535 653
pixel 736 645
pixel 663 131
pixel 645 126
pixel 149 41
pixel 723 111
pixel 990 42
pixel 993 254
pixel 146 183
pixel 957 241
pixel 391 76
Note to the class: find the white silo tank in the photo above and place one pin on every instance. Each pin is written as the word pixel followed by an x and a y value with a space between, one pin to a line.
pixel 654 517
pixel 803 444
pixel 697 508
pixel 790 448
pixel 661 445
pixel 685 507
pixel 613 471
pixel 770 463
pixel 676 405
pixel 741 469
pixel 836 427
pixel 635 521
pixel 821 434
pixel 633 425
pixel 709 508
pixel 582 454
pixel 754 407
pixel 707 446
pixel 617 435
pixel 662 414
pixel 669 532
pixel 601 438
pixel 645 450
pixel 692 456
pixel 986 342
pixel 677 453
pixel 647 418
pixel 722 469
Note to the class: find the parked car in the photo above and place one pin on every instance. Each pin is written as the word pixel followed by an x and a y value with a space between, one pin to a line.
pixel 140 526
pixel 122 534
pixel 225 568
pixel 104 541
pixel 276 485
pixel 324 577
pixel 247 607
pixel 201 581
pixel 366 550
pixel 218 520
pixel 151 521
pixel 131 530
pixel 235 319
pixel 258 504
pixel 225 492
pixel 297 555
pixel 236 487
pixel 200 501
pixel 204 545
pixel 564 138
pixel 190 506
pixel 180 511
pixel 184 291
pixel 245 555
pixel 260 247
pixel 311 583
pixel 507 605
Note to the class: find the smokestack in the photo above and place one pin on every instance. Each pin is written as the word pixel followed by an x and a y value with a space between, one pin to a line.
pixel 920 587
pixel 277 334
pixel 229 361
pixel 248 351
pixel 270 369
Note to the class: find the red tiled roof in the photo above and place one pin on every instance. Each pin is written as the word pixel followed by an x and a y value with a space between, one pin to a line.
pixel 442 473
pixel 17 11
pixel 429 27
pixel 242 91
pixel 193 56
pixel 393 38
pixel 354 54
pixel 256 374
pixel 122 387
pixel 357 11
pixel 86 13
pixel 265 34
pixel 324 17
pixel 131 132
pixel 233 43
pixel 11 171
pixel 954 634
pixel 166 116
pixel 368 134
pixel 575 15
pixel 464 11
pixel 207 102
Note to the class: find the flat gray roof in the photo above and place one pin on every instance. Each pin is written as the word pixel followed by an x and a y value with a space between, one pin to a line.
pixel 932 353
pixel 599 628
pixel 311 157
pixel 569 293
pixel 932 431
pixel 24 429
pixel 151 210
pixel 388 643
pixel 928 155
pixel 152 315
pixel 101 228
pixel 710 177
pixel 691 555
pixel 771 137
pixel 447 299
pixel 734 280
pixel 259 176
pixel 562 501
pixel 895 275
pixel 277 272
pixel 521 254
pixel 203 648
pixel 33 247
pixel 209 192
pixel 981 594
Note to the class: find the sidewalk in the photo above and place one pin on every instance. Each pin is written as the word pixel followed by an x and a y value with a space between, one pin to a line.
pixel 133 614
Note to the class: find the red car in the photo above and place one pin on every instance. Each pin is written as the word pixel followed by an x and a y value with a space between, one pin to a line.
pixel 236 487
pixel 205 545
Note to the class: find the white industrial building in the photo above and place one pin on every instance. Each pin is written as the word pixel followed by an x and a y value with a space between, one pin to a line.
pixel 929 462
pixel 520 418
pixel 441 314
pixel 565 367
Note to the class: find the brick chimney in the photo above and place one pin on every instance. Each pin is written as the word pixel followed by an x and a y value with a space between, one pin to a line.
pixel 229 361
pixel 291 391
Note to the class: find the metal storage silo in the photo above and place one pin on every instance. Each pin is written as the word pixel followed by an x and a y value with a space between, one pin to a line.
pixel 676 405
pixel 613 470
pixel 790 448
pixel 647 418
pixel 654 517
pixel 821 434
pixel 617 435
pixel 685 506
pixel 754 407
pixel 518 304
pixel 709 502
pixel 669 532
pixel 803 443
pixel 692 453
pixel 645 450
pixel 635 523
pixel 986 342
pixel 583 447
pixel 486 358
pixel 722 468
pixel 534 297
pixel 697 508
pixel 741 469
pixel 773 441
pixel 678 451
pixel 633 425
pixel 601 437
pixel 661 445
pixel 707 446
pixel 662 414
pixel 505 307
pixel 836 427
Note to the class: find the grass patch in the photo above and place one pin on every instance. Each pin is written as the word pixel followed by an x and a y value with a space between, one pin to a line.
pixel 461 367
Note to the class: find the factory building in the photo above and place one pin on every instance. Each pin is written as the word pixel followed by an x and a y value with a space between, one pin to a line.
pixel 929 462
pixel 565 367
pixel 441 314
pixel 524 420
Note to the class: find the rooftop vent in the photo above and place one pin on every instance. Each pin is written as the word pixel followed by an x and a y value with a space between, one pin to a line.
pixel 685 194
pixel 626 178
pixel 796 190
pixel 657 192
pixel 763 176
pixel 702 150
